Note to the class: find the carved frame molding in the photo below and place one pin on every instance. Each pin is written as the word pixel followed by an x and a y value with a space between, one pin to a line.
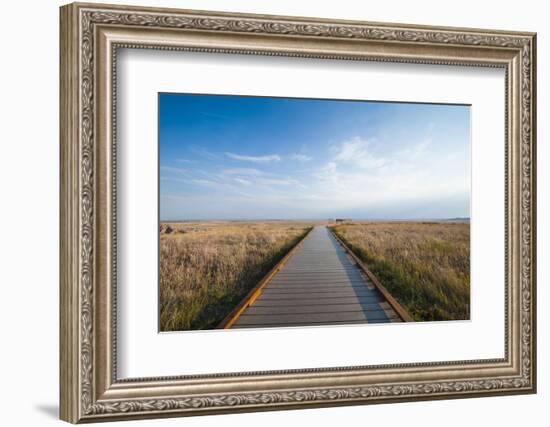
pixel 90 37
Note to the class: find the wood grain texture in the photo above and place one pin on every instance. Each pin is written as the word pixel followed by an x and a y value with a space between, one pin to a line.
pixel 319 272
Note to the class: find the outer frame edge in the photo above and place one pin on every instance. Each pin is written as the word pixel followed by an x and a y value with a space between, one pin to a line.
pixel 69 233
pixel 68 226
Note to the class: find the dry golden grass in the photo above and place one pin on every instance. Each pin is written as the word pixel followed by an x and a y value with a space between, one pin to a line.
pixel 426 266
pixel 207 268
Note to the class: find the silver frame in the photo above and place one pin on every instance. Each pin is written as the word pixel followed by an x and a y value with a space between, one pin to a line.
pixel 90 37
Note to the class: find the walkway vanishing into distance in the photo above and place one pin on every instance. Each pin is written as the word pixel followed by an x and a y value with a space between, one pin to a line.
pixel 319 284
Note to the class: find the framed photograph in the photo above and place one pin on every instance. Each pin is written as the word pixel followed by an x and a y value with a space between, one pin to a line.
pixel 266 212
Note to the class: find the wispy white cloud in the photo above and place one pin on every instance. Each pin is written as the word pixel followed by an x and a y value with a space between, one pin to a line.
pixel 391 165
pixel 243 181
pixel 172 179
pixel 255 159
pixel 357 151
pixel 277 181
pixel 417 150
pixel 300 157
pixel 204 153
pixel 357 177
pixel 203 182
pixel 171 169
pixel 327 172
pixel 243 172
pixel 261 182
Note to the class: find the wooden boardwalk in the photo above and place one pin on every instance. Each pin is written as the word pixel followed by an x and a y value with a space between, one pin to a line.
pixel 319 284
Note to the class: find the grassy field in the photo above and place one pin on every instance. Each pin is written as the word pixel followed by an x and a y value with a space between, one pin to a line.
pixel 207 268
pixel 426 266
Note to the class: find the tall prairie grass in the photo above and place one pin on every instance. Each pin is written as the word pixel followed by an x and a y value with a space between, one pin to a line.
pixel 207 268
pixel 426 266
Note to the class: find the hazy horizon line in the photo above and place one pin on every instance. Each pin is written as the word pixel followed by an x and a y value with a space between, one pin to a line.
pixel 319 219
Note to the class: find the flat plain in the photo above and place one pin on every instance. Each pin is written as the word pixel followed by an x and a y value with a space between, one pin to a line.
pixel 206 268
pixel 425 265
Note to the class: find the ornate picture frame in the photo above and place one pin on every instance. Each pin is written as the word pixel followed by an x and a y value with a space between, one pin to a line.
pixel 90 37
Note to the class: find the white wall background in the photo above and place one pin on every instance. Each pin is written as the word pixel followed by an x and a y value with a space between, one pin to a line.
pixel 29 170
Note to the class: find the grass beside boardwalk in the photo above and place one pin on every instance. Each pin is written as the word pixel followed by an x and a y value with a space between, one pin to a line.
pixel 426 266
pixel 207 268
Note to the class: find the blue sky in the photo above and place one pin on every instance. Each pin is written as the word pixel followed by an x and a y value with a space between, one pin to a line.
pixel 232 157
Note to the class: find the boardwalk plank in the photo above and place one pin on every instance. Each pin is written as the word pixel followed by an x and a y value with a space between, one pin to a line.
pixel 319 285
pixel 301 317
pixel 317 282
pixel 319 308
pixel 313 290
pixel 318 295
pixel 302 324
pixel 291 301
